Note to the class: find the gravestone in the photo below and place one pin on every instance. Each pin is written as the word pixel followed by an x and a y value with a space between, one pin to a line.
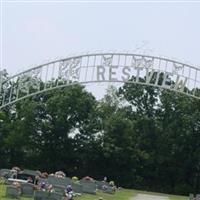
pixel 27 190
pixel 109 190
pixel 101 184
pixel 55 196
pixel 88 186
pixel 197 197
pixel 59 189
pixel 59 181
pixel 77 187
pixel 5 173
pixel 12 191
pixel 41 195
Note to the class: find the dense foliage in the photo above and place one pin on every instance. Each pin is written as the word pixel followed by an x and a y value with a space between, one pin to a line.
pixel 139 136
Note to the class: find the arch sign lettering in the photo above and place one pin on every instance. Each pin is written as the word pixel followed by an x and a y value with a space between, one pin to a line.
pixel 102 67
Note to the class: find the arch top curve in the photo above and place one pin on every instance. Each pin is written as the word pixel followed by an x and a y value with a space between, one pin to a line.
pixel 101 67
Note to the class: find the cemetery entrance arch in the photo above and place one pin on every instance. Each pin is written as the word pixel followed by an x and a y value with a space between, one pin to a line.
pixel 97 68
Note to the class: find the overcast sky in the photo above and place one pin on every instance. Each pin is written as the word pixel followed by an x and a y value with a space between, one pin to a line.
pixel 35 32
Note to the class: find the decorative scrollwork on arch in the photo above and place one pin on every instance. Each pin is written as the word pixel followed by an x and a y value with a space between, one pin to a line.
pixel 142 63
pixel 107 60
pixel 177 68
pixel 69 69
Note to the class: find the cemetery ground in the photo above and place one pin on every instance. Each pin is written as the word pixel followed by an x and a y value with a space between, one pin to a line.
pixel 124 194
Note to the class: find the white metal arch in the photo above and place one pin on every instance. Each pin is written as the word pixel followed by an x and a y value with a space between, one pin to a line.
pixel 101 67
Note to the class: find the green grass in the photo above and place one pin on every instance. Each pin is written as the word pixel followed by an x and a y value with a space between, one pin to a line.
pixel 119 195
pixel 123 194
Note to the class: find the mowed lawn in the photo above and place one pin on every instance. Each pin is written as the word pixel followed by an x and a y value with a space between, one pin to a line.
pixel 123 194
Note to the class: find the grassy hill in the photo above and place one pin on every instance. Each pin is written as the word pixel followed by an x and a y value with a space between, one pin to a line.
pixel 123 194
